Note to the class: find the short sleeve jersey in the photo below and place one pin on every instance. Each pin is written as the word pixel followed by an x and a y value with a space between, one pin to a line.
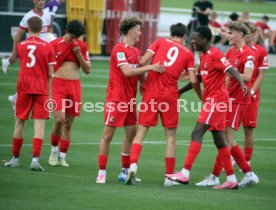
pixel 262 26
pixel 121 88
pixel 261 63
pixel 35 56
pixel 176 58
pixel 212 68
pixel 238 59
pixel 63 51
pixel 46 21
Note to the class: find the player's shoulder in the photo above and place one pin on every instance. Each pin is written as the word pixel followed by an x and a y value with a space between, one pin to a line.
pixel 119 47
pixel 260 48
pixel 246 50
pixel 216 53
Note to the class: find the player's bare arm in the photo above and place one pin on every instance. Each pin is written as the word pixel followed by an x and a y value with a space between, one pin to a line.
pixel 83 63
pixel 238 77
pixel 17 38
pixel 129 72
pixel 146 58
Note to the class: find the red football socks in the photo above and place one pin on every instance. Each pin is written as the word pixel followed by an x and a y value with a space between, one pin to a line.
pixel 37 145
pixel 193 151
pixel 102 161
pixel 16 146
pixel 225 160
pixel 125 158
pixel 55 140
pixel 135 153
pixel 64 145
pixel 238 156
pixel 170 165
pixel 248 153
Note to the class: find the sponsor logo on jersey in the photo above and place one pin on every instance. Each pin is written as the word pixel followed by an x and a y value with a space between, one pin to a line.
pixel 225 61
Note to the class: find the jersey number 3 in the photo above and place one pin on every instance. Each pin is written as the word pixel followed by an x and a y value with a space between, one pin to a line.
pixel 171 55
pixel 31 49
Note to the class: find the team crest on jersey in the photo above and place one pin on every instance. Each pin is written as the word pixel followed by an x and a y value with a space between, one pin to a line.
pixel 112 119
pixel 237 62
pixel 224 61
pixel 205 65
pixel 121 56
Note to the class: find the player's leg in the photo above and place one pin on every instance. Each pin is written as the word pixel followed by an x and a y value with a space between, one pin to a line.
pixel 39 127
pixel 23 108
pixel 65 140
pixel 170 134
pixel 104 147
pixel 59 118
pixel 224 159
pixel 130 132
pixel 248 142
pixel 135 152
pixel 193 151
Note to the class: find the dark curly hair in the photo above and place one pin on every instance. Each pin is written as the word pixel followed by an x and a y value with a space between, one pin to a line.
pixel 128 23
pixel 75 27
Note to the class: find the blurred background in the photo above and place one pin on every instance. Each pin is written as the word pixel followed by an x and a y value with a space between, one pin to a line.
pixel 102 17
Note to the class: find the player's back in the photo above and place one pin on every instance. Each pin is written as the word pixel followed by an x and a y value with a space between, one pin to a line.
pixel 34 55
pixel 176 58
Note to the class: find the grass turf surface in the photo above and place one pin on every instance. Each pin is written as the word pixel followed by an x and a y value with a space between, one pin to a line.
pixel 75 187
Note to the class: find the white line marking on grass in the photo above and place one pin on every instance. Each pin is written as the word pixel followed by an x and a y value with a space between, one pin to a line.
pixel 186 143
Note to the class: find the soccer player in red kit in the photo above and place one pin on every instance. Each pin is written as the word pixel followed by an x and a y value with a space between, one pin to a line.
pixel 251 115
pixel 71 54
pixel 23 27
pixel 36 65
pixel 212 69
pixel 162 89
pixel 120 109
pixel 241 57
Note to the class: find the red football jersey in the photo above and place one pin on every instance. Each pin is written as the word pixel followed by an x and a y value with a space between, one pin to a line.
pixel 63 51
pixel 238 59
pixel 35 56
pixel 262 26
pixel 212 68
pixel 261 63
pixel 121 88
pixel 176 58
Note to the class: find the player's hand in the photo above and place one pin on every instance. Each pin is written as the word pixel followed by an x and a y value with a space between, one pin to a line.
pixel 157 67
pixel 183 76
pixel 245 90
pixel 253 95
pixel 12 58
pixel 76 49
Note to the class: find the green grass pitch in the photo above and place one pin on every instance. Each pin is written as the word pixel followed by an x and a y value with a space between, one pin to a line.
pixel 75 187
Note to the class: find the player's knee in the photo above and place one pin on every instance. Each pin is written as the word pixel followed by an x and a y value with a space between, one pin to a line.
pixel 195 136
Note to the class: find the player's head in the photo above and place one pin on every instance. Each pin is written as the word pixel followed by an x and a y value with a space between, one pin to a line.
pixel 251 35
pixel 39 4
pixel 201 37
pixel 236 32
pixel 234 16
pixel 35 24
pixel 178 30
pixel 75 28
pixel 265 18
pixel 131 27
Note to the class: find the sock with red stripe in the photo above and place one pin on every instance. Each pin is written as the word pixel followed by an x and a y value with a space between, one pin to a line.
pixel 16 146
pixel 238 156
pixel 135 153
pixel 193 151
